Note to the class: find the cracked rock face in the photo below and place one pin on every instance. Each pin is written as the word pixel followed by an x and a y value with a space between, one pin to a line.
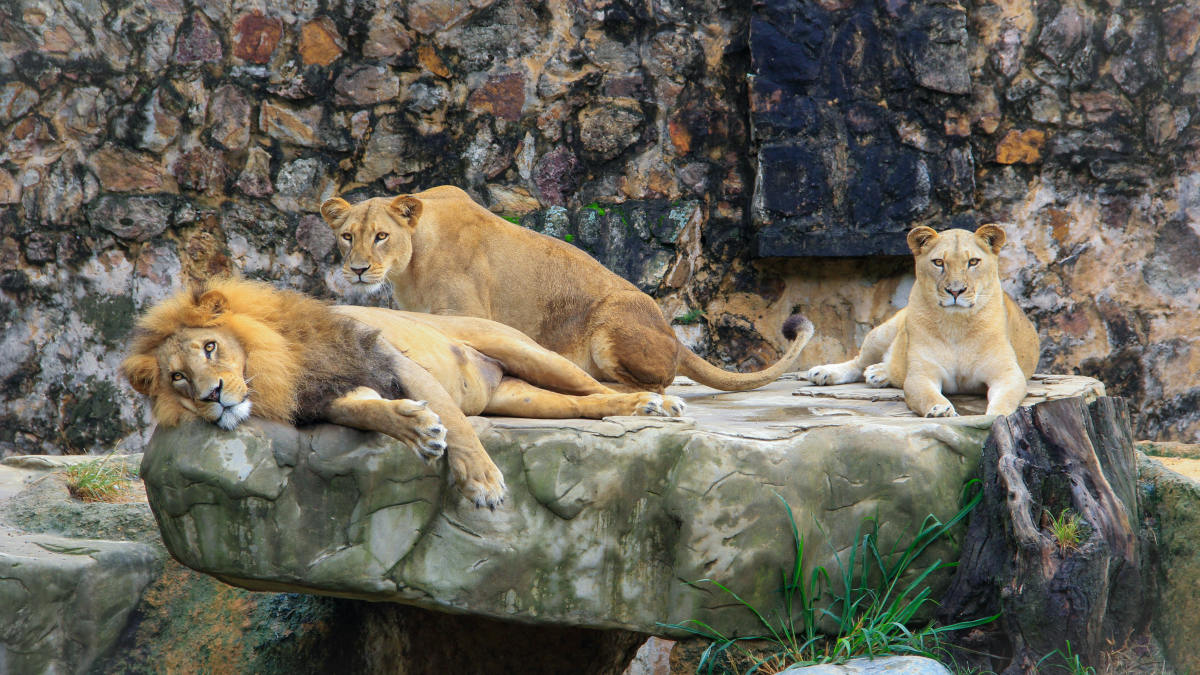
pixel 604 521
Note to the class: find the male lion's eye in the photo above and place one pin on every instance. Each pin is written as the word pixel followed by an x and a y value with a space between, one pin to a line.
pixel 381 236
pixel 939 263
pixel 177 376
pixel 209 347
pixel 347 236
pixel 972 262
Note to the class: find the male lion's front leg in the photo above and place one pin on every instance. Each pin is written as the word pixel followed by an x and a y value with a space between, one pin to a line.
pixel 518 398
pixel 410 421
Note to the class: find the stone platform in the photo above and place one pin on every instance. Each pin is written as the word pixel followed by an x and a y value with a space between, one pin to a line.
pixel 606 520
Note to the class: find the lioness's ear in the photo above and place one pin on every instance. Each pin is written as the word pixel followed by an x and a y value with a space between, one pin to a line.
pixel 992 236
pixel 334 210
pixel 141 371
pixel 920 237
pixel 212 304
pixel 407 207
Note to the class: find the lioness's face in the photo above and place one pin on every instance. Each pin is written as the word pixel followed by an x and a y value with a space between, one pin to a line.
pixel 204 368
pixel 374 237
pixel 957 268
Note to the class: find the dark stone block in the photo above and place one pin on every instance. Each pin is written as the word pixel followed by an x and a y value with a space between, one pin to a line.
pixel 793 180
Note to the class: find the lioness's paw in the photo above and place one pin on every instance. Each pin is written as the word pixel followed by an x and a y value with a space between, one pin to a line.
pixel 876 376
pixel 674 405
pixel 659 405
pixel 942 410
pixel 834 373
pixel 428 434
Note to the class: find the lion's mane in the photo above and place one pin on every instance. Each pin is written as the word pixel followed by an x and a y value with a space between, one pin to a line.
pixel 300 355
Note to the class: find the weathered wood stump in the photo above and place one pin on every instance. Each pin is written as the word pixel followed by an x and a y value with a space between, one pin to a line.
pixel 1054 461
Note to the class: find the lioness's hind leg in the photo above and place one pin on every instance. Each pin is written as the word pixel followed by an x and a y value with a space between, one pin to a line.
pixel 410 421
pixel 518 398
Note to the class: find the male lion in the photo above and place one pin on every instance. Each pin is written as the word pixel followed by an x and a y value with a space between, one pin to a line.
pixel 233 348
pixel 445 254
pixel 960 332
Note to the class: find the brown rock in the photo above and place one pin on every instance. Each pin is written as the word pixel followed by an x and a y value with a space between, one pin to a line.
pixel 554 175
pixel 366 85
pixel 202 170
pixel 58 40
pixel 1024 147
pixel 229 117
pixel 430 16
pixel 387 38
pixel 680 136
pixel 16 99
pixel 1164 123
pixel 197 43
pixel 1181 30
pixel 83 112
pixel 121 170
pixel 255 178
pixel 430 61
pixel 297 126
pixel 255 37
pixel 609 126
pixel 1099 106
pixel 10 190
pixel 320 42
pixel 985 109
pixel 502 96
pixel 162 125
pixel 314 236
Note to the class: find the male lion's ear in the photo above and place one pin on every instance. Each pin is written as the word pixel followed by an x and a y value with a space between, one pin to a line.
pixel 406 207
pixel 992 236
pixel 212 304
pixel 141 371
pixel 334 210
pixel 920 237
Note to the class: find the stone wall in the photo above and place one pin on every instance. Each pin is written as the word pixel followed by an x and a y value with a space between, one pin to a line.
pixel 147 142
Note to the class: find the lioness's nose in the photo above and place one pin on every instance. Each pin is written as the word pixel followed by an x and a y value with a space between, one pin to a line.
pixel 359 270
pixel 955 291
pixel 215 394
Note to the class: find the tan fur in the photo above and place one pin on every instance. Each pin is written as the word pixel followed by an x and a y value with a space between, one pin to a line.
pixel 443 253
pixel 254 340
pixel 960 332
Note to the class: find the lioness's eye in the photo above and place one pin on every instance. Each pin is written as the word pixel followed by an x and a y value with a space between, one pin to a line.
pixel 938 263
pixel 177 376
pixel 209 347
pixel 381 236
pixel 972 262
pixel 347 236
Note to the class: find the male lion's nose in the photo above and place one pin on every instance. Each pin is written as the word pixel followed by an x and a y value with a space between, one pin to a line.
pixel 359 270
pixel 215 394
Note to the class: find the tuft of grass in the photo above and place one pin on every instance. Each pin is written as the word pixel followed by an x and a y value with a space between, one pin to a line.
pixel 595 206
pixel 568 237
pixel 515 220
pixel 1067 528
pixel 1071 662
pixel 99 481
pixel 689 317
pixel 868 602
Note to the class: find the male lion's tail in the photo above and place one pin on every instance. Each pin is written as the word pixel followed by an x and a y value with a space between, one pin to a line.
pixel 797 329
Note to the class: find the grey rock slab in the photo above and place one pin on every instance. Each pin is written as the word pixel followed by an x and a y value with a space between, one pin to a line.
pixel 605 519
pixel 884 665
pixel 66 600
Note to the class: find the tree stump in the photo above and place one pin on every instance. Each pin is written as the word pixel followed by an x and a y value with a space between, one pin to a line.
pixel 1081 597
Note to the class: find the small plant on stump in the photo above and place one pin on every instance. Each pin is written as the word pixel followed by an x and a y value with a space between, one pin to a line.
pixel 871 610
pixel 1067 528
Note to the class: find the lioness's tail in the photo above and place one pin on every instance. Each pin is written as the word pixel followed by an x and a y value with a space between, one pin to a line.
pixel 797 329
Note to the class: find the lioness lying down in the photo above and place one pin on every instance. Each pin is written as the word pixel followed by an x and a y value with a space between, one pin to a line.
pixel 959 334
pixel 443 253
pixel 236 348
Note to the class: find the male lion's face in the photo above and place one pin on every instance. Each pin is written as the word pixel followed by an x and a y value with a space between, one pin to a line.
pixel 204 368
pixel 957 268
pixel 374 237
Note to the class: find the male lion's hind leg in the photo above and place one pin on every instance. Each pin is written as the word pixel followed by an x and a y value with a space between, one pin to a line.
pixel 410 421
pixel 518 398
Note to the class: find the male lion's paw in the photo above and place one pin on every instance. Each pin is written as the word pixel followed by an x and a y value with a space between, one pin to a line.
pixel 428 438
pixel 942 410
pixel 876 376
pixel 483 485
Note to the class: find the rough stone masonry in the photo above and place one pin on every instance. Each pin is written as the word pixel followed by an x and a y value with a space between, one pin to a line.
pixel 143 143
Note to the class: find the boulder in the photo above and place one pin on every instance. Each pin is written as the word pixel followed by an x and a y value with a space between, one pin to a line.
pixel 606 520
